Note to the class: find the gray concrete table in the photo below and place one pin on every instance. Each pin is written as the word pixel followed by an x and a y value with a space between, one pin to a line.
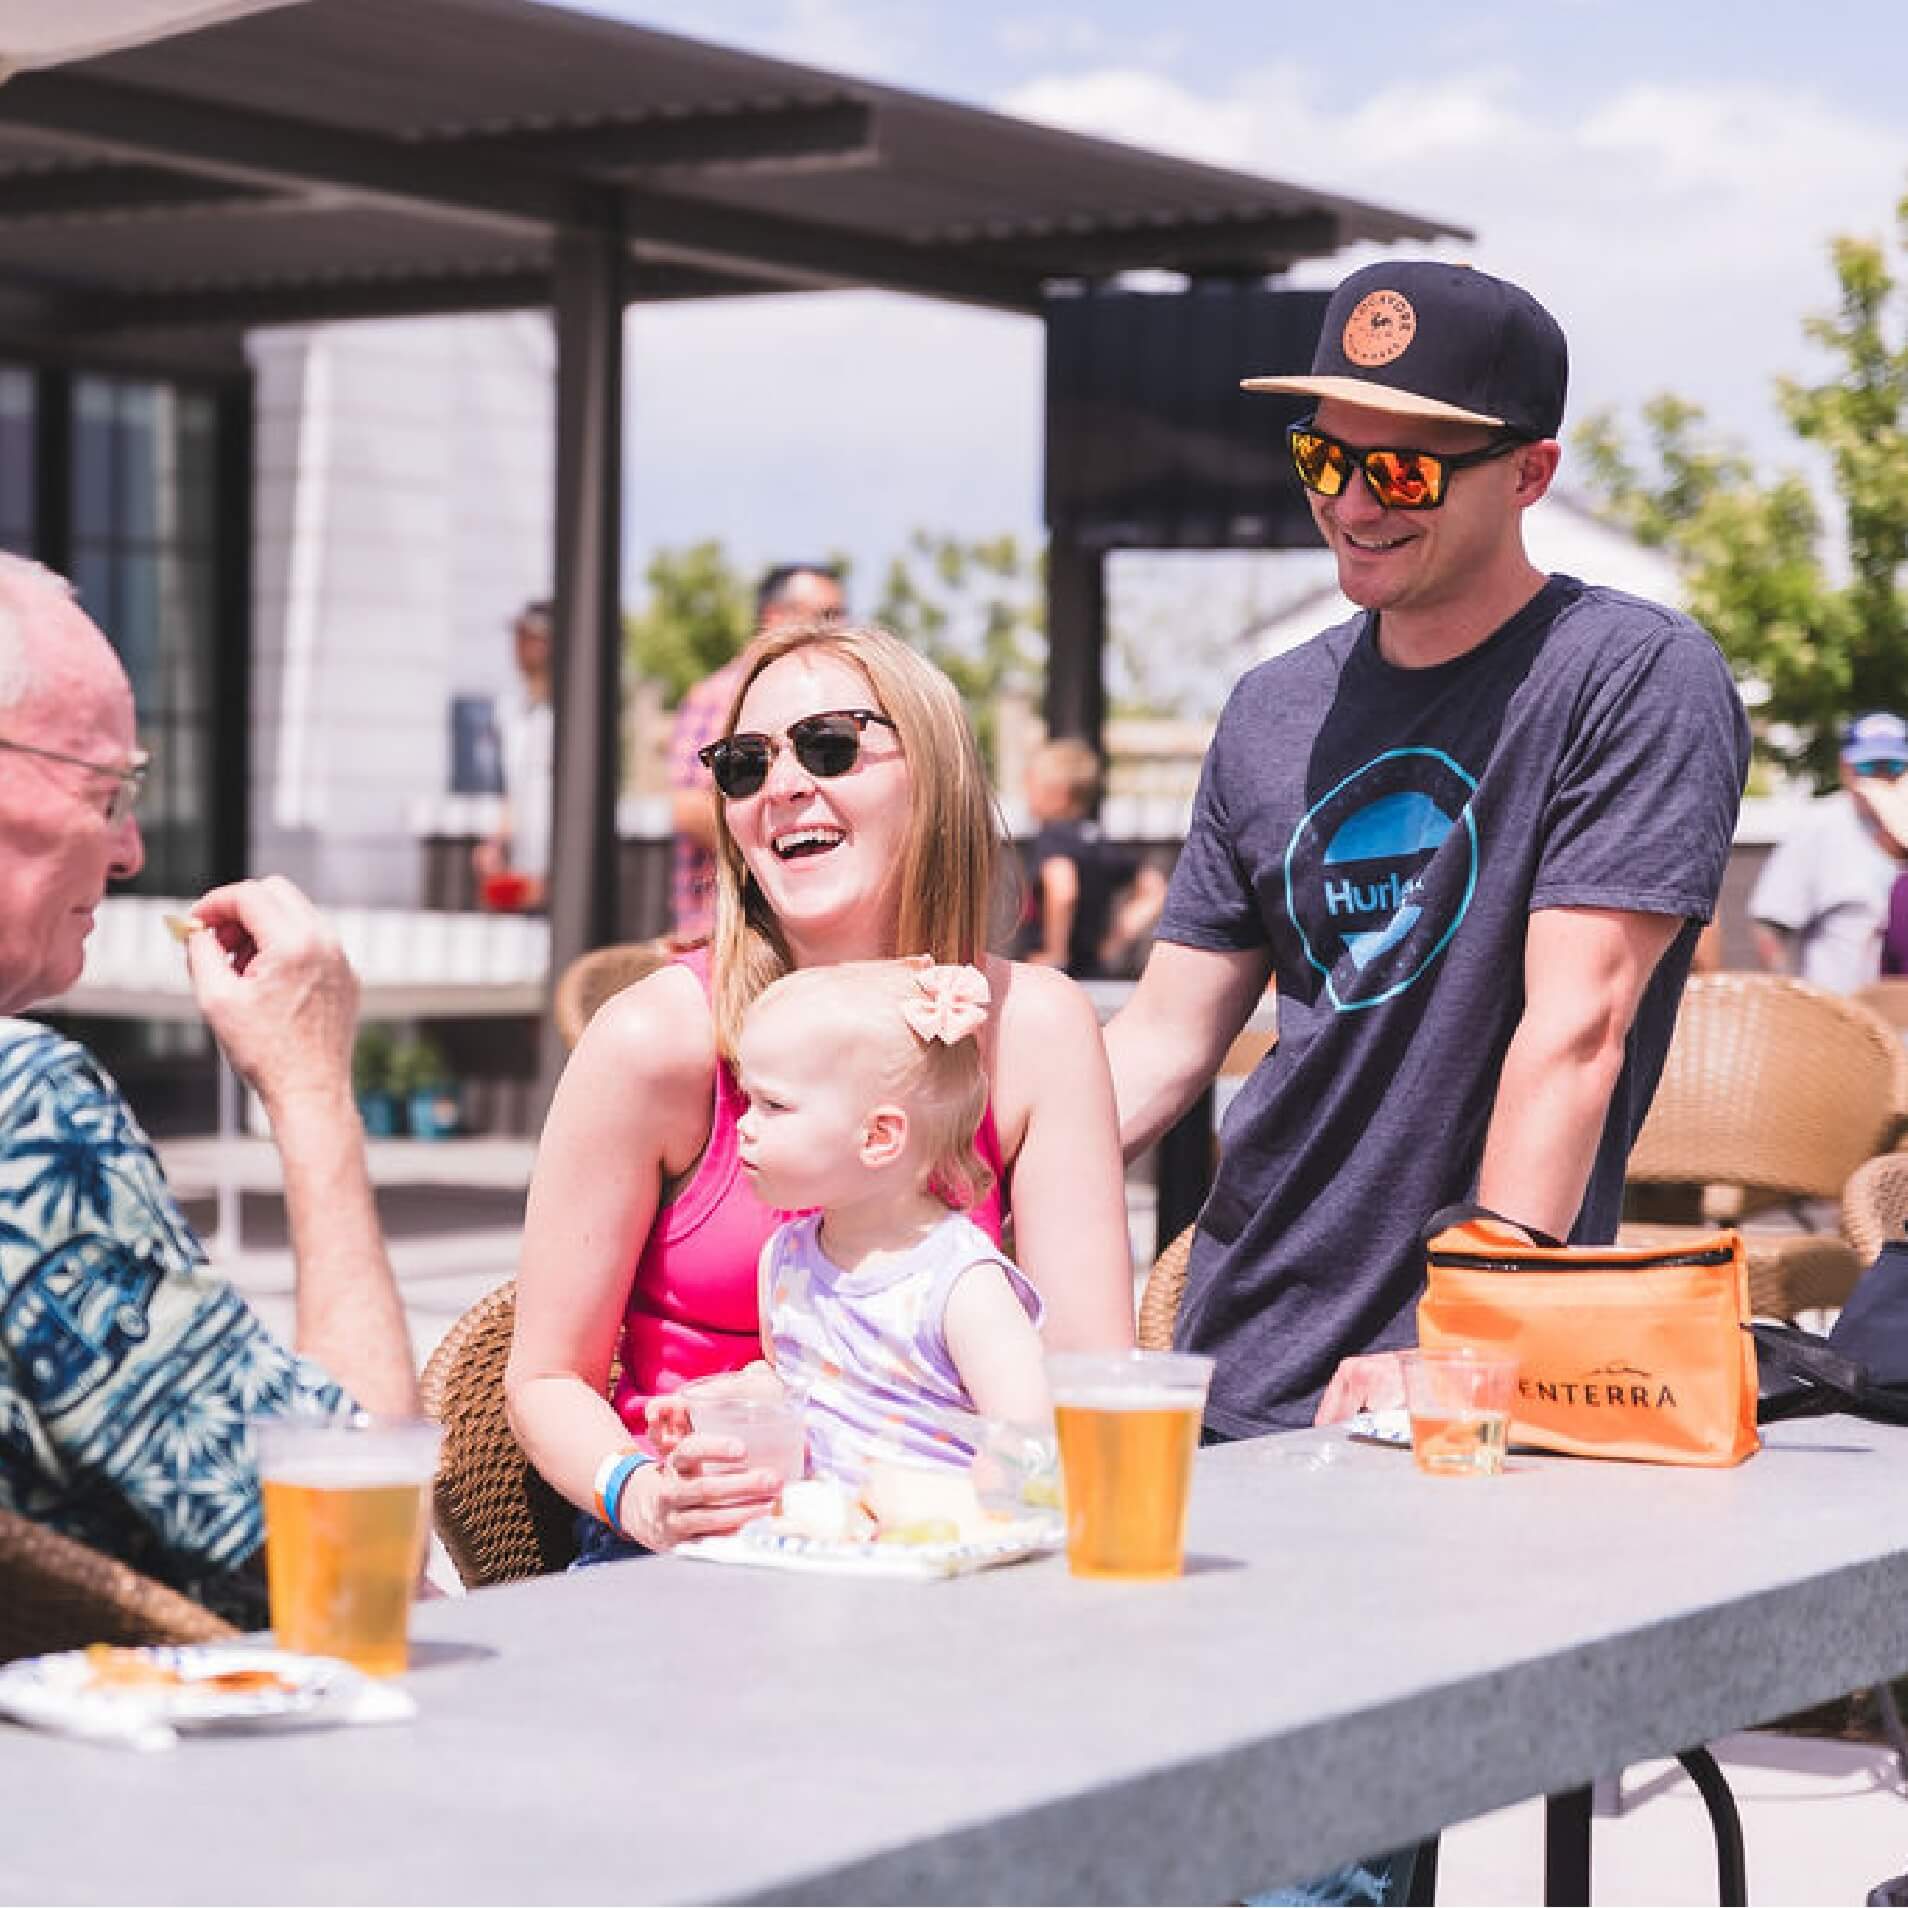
pixel 1358 1656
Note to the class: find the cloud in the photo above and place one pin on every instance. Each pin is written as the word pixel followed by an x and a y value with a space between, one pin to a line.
pixel 1680 232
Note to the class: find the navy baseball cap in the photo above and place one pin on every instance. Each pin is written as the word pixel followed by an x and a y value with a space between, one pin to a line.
pixel 1424 339
pixel 1878 736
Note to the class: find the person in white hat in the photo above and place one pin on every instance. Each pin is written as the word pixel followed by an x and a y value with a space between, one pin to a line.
pixel 1821 901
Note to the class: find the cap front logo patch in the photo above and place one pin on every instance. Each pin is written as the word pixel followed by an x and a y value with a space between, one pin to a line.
pixel 1382 324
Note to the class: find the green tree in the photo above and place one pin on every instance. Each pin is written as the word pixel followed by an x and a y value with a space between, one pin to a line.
pixel 700 611
pixel 979 610
pixel 1821 636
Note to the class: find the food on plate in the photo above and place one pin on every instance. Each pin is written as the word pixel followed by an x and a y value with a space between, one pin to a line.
pixel 909 1497
pixel 111 1667
pixel 824 1508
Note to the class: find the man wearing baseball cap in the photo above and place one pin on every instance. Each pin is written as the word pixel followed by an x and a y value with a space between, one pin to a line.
pixel 1470 835
pixel 1819 906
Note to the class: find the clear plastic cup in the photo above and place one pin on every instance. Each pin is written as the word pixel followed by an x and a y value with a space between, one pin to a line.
pixel 1128 1425
pixel 347 1516
pixel 770 1430
pixel 1460 1398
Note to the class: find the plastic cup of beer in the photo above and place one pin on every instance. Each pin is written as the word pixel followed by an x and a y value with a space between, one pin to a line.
pixel 346 1521
pixel 1128 1425
pixel 1460 1404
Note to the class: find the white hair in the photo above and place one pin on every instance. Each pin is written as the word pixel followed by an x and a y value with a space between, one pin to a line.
pixel 22 579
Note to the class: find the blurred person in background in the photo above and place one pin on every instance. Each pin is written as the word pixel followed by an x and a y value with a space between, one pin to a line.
pixel 512 864
pixel 1820 905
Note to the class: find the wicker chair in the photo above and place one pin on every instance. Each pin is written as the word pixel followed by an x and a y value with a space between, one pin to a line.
pixel 1889 998
pixel 498 1519
pixel 592 978
pixel 1781 1091
pixel 59 1594
pixel 1875 1205
pixel 1159 1300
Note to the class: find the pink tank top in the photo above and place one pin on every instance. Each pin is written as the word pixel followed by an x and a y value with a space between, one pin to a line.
pixel 692 1309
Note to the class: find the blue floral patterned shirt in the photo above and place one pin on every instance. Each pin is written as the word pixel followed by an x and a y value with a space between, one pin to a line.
pixel 126 1369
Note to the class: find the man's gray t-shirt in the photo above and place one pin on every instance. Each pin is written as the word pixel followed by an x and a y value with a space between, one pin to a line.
pixel 1387 833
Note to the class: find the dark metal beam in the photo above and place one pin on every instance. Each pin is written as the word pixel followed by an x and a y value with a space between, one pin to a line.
pixel 104 191
pixel 425 295
pixel 1167 244
pixel 268 149
pixel 589 636
pixel 788 134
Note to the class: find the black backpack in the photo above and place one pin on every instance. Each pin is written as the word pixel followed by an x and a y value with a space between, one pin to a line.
pixel 1861 1366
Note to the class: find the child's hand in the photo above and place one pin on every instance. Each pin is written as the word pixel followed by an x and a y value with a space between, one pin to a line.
pixel 668 1419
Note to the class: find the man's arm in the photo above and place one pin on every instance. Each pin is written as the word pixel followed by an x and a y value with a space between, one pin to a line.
pixel 1775 946
pixel 1166 1043
pixel 1585 970
pixel 1059 897
pixel 280 996
pixel 1584 974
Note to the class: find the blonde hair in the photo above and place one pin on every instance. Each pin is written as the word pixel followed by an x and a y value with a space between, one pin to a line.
pixel 1075 768
pixel 953 836
pixel 855 1009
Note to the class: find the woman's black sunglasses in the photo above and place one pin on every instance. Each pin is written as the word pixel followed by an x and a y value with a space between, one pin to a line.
pixel 827 745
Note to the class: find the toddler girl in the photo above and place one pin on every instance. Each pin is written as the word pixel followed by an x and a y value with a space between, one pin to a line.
pixel 882 1302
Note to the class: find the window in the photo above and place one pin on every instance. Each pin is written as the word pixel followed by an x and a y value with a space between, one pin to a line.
pixel 142 557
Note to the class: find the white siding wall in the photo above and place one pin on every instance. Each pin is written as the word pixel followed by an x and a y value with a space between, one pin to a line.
pixel 403 506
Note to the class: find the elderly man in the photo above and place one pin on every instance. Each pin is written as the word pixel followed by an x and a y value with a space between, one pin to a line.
pixel 126 1371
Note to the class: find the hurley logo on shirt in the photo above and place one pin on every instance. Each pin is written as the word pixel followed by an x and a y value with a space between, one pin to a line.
pixel 1380 873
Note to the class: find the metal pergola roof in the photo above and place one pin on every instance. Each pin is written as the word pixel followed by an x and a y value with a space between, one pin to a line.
pixel 354 158
pixel 336 159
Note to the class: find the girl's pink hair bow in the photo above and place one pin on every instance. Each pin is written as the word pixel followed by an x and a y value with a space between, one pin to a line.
pixel 951 1003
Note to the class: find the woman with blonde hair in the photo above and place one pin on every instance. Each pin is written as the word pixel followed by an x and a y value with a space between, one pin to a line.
pixel 856 824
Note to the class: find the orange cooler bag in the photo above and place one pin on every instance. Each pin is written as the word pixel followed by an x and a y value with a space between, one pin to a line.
pixel 1623 1352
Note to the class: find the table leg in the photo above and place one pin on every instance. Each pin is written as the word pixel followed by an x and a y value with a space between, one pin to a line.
pixel 1732 1863
pixel 227 1231
pixel 1567 1849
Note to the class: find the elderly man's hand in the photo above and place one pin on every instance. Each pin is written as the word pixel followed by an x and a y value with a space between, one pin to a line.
pixel 1374 1382
pixel 276 989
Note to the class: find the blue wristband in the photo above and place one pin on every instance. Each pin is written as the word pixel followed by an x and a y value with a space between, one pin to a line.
pixel 610 1491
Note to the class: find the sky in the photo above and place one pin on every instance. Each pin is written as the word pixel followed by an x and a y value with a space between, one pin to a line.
pixel 1666 175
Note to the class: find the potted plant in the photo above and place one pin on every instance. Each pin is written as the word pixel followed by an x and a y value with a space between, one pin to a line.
pixel 421 1078
pixel 372 1061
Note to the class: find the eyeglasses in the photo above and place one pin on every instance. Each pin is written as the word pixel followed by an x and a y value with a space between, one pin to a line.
pixel 827 745
pixel 1890 770
pixel 128 783
pixel 1399 479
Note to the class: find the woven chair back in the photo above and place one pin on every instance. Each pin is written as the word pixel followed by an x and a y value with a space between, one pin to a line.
pixel 1159 1299
pixel 1875 1205
pixel 1889 998
pixel 592 978
pixel 59 1594
pixel 498 1519
pixel 1774 1086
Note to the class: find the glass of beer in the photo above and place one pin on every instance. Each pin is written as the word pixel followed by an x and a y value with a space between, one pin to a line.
pixel 1128 1425
pixel 1459 1398
pixel 346 1520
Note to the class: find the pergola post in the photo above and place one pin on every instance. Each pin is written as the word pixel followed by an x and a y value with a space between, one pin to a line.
pixel 588 661
pixel 1076 637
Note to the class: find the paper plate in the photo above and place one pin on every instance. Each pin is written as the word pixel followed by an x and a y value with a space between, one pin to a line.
pixel 129 1693
pixel 766 1544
